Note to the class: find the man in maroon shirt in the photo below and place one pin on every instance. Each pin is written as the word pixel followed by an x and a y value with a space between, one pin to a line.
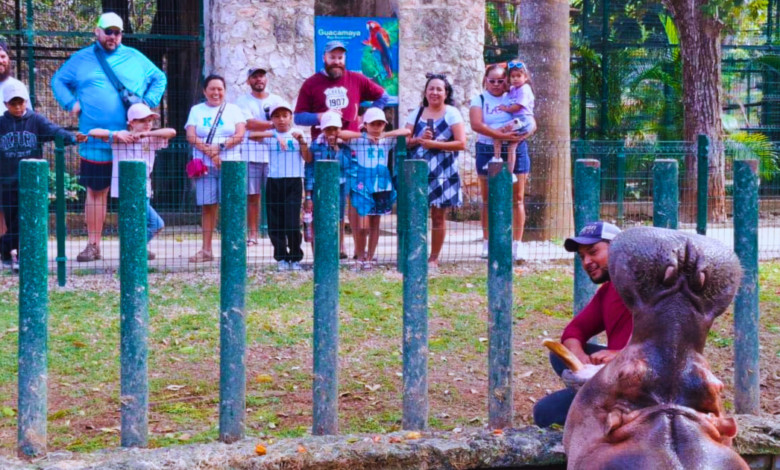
pixel 605 312
pixel 334 88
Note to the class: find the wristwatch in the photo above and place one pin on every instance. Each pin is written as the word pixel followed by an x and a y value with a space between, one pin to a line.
pixel 222 146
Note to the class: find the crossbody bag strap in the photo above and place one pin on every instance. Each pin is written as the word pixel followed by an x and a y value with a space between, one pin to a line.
pixel 101 57
pixel 216 123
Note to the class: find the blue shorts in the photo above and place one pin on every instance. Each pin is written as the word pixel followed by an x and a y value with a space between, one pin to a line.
pixel 95 176
pixel 485 152
pixel 381 203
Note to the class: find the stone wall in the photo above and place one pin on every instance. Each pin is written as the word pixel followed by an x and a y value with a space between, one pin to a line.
pixel 441 36
pixel 275 34
pixel 435 35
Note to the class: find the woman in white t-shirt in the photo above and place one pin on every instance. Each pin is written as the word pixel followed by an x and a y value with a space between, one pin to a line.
pixel 438 136
pixel 228 134
pixel 487 117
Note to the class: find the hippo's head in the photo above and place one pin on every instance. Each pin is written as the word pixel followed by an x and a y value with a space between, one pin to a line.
pixel 673 281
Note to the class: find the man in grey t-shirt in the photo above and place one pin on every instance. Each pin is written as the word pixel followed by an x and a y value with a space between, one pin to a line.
pixel 255 104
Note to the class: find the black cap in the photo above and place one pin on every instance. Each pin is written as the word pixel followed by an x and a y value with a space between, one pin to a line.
pixel 593 232
pixel 253 71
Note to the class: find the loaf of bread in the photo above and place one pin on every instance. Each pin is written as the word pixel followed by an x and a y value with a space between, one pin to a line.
pixel 564 354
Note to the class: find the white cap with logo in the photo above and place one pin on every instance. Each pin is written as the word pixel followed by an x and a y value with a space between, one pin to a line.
pixel 373 115
pixel 279 104
pixel 111 20
pixel 15 90
pixel 330 119
pixel 139 111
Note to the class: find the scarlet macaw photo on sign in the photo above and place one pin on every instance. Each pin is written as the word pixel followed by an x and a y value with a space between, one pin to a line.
pixel 372 47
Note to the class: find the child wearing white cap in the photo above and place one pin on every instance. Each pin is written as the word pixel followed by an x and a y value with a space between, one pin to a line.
pixel 371 190
pixel 143 146
pixel 22 131
pixel 287 153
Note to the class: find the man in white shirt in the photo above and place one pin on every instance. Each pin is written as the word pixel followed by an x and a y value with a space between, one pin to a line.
pixel 255 105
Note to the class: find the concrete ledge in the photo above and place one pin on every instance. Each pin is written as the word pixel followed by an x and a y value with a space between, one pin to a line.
pixel 759 439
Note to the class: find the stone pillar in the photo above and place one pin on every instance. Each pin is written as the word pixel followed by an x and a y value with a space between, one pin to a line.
pixel 436 36
pixel 278 34
pixel 441 36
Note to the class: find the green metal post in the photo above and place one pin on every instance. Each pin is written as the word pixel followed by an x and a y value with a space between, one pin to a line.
pixel 746 312
pixel 621 184
pixel 702 183
pixel 33 307
pixel 232 321
pixel 30 32
pixel 500 402
pixel 587 188
pixel 401 209
pixel 326 297
pixel 62 229
pixel 666 203
pixel 415 320
pixel 134 304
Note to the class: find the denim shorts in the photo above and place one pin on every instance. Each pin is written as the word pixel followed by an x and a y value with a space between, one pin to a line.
pixel 207 188
pixel 485 152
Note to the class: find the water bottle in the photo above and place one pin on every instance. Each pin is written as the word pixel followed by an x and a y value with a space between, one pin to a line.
pixel 308 228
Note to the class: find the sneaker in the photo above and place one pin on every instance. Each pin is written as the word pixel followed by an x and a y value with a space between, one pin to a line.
pixel 201 257
pixel 484 249
pixel 518 251
pixel 368 266
pixel 150 255
pixel 283 266
pixel 90 253
pixel 12 263
pixel 295 266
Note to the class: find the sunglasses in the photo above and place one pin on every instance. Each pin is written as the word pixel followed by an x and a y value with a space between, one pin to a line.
pixel 515 65
pixel 431 76
pixel 496 81
pixel 112 32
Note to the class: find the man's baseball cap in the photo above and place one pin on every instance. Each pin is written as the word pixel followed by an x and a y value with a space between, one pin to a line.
pixel 279 104
pixel 373 115
pixel 15 90
pixel 139 111
pixel 330 119
pixel 111 20
pixel 254 70
pixel 335 45
pixel 592 233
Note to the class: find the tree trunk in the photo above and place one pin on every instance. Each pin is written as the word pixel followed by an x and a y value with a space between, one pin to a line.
pixel 700 48
pixel 544 45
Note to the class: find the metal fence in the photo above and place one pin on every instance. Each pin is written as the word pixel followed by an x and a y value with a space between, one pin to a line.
pixel 626 197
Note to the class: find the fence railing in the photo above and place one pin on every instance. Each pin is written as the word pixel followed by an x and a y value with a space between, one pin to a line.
pixel 134 322
pixel 625 191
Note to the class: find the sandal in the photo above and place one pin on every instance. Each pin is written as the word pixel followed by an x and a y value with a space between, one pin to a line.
pixel 251 242
pixel 201 257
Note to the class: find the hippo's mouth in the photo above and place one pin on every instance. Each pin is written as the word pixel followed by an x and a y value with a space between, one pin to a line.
pixel 624 426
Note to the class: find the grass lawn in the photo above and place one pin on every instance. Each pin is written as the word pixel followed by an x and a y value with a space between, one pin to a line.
pixel 184 353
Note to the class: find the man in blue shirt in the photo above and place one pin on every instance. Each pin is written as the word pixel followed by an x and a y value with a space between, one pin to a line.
pixel 82 87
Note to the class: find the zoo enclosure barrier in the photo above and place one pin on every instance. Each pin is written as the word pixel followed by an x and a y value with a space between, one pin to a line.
pixel 134 322
pixel 626 192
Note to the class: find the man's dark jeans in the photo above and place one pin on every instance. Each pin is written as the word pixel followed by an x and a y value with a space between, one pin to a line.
pixel 553 408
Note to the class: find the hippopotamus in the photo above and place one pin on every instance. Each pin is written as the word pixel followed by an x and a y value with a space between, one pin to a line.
pixel 657 405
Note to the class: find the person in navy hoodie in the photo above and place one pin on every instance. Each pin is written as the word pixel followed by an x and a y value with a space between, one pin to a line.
pixel 21 132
